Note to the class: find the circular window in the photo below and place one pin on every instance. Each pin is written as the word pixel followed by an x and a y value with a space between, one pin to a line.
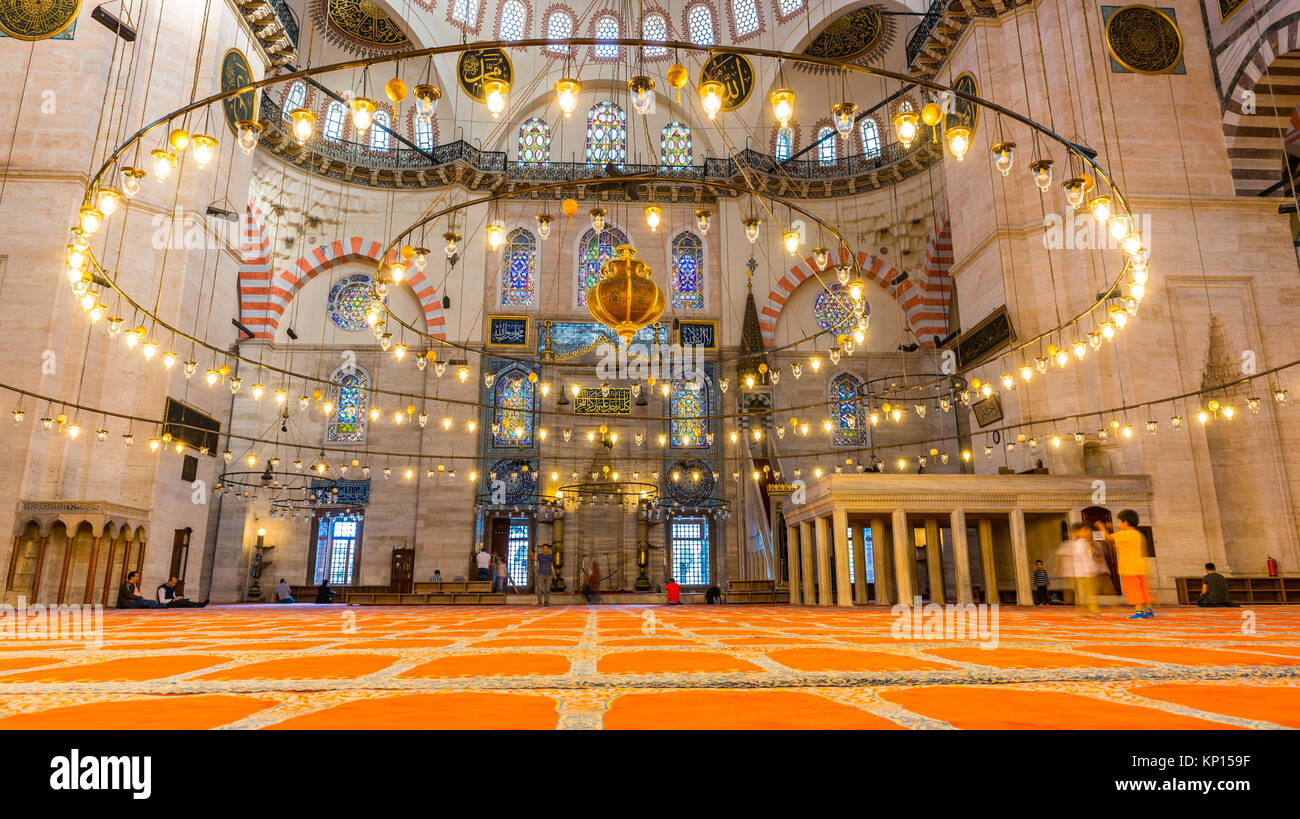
pixel 350 298
pixel 834 311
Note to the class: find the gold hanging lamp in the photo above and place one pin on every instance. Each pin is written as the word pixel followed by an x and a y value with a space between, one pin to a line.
pixel 625 298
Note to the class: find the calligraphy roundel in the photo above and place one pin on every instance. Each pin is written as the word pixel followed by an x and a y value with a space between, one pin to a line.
pixel 479 64
pixel 964 112
pixel 736 75
pixel 37 19
pixel 1144 40
pixel 236 73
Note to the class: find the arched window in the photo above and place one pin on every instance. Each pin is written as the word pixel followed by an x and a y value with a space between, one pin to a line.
pixel 559 26
pixel 654 27
pixel 870 137
pixel 850 423
pixel 826 146
pixel 675 145
pixel 296 97
pixel 606 134
pixel 686 405
pixel 514 17
pixel 788 7
pixel 349 390
pixel 744 13
pixel 519 269
pixel 593 251
pixel 512 419
pixel 784 145
pixel 379 131
pixel 333 129
pixel 465 12
pixel 688 270
pixel 699 24
pixel 423 133
pixel 606 29
pixel 534 141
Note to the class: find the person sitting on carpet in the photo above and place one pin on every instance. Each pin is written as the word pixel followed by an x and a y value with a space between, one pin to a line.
pixel 324 594
pixel 674 592
pixel 713 595
pixel 169 599
pixel 1214 590
pixel 283 594
pixel 128 597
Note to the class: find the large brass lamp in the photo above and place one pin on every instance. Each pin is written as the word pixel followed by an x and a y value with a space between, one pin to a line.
pixel 625 298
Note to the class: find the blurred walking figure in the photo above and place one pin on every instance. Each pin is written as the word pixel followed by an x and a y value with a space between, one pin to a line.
pixel 1130 553
pixel 1076 559
pixel 592 591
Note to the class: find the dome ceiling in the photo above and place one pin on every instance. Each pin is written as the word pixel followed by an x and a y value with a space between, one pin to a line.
pixel 861 36
pixel 359 26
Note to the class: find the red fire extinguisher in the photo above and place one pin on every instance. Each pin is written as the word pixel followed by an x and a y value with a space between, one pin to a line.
pixel 1272 567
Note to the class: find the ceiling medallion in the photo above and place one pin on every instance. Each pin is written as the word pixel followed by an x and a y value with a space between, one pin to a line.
pixel 37 19
pixel 625 298
pixel 359 26
pixel 859 37
pixel 1144 40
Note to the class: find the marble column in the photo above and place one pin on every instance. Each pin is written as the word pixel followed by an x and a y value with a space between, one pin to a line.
pixel 1020 556
pixel 961 557
pixel 806 554
pixel 860 595
pixel 986 559
pixel 825 583
pixel 902 558
pixel 90 570
pixel 792 560
pixel 934 560
pixel 884 566
pixel 843 578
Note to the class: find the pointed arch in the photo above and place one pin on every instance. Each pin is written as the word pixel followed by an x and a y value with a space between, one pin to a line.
pixel 849 420
pixel 514 401
pixel 593 251
pixel 606 134
pixel 519 269
pixel 535 141
pixel 688 408
pixel 688 271
pixel 675 149
pixel 350 392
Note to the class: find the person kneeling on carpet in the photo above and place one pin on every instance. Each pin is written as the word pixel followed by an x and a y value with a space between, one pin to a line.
pixel 128 597
pixel 1214 590
pixel 713 595
pixel 674 592
pixel 324 594
pixel 169 599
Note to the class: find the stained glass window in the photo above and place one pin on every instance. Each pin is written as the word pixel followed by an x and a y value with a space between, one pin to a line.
pixel 593 251
pixel 333 129
pixel 688 271
pixel 699 22
pixel 349 299
pixel 789 7
pixel 519 269
pixel 832 309
pixel 606 134
pixel 784 143
pixel 512 420
pixel 870 138
pixel 690 546
pixel 826 146
pixel 379 131
pixel 686 409
pixel 850 420
pixel 745 15
pixel 534 140
pixel 675 145
pixel 559 26
pixel 654 27
pixel 349 392
pixel 606 29
pixel 514 16
pixel 297 96
pixel 465 12
pixel 423 133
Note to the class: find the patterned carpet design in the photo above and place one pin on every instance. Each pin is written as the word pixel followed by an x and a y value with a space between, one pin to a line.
pixel 632 667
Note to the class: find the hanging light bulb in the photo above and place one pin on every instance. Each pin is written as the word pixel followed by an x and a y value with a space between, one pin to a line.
pixel 702 217
pixel 397 270
pixel 543 224
pixel 462 373
pixel 164 162
pixel 1099 207
pixel 1118 226
pixel 131 179
pixel 426 98
pixel 205 149
pixel 363 113
pixel 1004 156
pixel 89 219
pixel 1118 315
pixel 169 360
pixel 451 239
pixel 1131 243
pixel 751 224
pixel 790 240
pixel 494 95
pixel 640 89
pixel 1074 190
pixel 958 139
pixel 907 124
pixel 842 116
pixel 711 96
pixel 108 200
pixel 1279 396
pixel 249 131
pixel 304 120
pixel 496 236
pixel 653 214
pixel 598 219
pixel 566 95
pixel 1042 173
pixel 782 100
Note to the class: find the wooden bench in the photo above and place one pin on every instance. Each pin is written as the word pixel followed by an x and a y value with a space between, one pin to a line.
pixel 387 598
pixel 1245 591
pixel 756 591
pixel 452 587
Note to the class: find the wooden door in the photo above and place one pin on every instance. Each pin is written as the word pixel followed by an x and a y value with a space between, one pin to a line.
pixel 402 575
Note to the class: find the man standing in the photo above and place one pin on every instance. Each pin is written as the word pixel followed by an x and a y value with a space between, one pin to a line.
pixel 545 572
pixel 484 562
pixel 128 597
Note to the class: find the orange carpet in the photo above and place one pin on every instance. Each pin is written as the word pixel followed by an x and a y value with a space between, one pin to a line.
pixel 580 667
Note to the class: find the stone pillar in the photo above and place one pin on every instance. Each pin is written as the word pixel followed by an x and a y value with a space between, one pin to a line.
pixel 961 557
pixel 40 562
pixel 825 583
pixel 1020 557
pixel 90 570
pixel 806 555
pixel 843 579
pixel 934 559
pixel 986 558
pixel 792 560
pixel 557 553
pixel 902 557
pixel 13 563
pixel 884 566
pixel 860 595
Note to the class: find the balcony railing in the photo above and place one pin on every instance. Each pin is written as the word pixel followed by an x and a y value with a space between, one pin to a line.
pixel 931 19
pixel 287 19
